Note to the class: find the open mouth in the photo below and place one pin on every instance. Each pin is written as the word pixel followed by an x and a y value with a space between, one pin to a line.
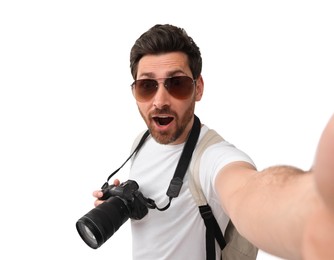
pixel 163 120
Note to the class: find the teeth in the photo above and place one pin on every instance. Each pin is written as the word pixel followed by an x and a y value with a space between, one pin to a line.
pixel 160 116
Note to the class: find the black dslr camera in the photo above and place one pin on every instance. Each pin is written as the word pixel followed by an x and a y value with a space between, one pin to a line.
pixel 121 203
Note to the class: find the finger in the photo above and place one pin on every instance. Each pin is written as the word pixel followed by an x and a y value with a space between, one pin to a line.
pixel 324 164
pixel 98 194
pixel 98 202
pixel 116 182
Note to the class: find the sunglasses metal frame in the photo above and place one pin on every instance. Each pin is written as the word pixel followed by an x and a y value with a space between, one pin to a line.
pixel 167 84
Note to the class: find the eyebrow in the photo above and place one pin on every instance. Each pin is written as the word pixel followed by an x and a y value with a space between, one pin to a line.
pixel 169 74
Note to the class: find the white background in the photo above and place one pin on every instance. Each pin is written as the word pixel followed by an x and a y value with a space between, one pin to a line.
pixel 68 117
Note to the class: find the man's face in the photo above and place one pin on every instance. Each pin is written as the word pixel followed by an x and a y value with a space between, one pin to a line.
pixel 168 118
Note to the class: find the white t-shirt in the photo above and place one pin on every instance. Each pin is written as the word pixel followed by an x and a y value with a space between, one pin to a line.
pixel 179 231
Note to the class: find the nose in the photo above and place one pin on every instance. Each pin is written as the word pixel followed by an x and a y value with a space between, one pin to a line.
pixel 162 97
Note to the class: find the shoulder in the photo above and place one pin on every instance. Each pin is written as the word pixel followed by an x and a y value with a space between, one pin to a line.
pixel 218 152
pixel 215 157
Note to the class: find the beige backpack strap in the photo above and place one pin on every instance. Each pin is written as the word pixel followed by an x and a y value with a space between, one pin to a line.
pixel 137 140
pixel 210 138
pixel 237 247
pixel 213 231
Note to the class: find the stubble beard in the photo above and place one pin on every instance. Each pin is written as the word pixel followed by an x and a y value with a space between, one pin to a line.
pixel 168 137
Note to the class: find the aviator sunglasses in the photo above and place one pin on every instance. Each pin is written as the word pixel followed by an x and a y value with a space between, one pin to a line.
pixel 180 87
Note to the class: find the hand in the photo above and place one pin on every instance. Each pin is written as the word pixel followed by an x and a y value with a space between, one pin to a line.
pixel 318 240
pixel 324 165
pixel 98 194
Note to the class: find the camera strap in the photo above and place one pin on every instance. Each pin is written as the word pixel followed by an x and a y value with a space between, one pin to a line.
pixel 181 168
pixel 140 144
pixel 184 161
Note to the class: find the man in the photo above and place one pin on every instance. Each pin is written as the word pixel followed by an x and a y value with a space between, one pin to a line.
pixel 282 210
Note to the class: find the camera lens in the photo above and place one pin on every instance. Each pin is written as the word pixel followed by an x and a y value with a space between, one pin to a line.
pixel 99 224
pixel 87 234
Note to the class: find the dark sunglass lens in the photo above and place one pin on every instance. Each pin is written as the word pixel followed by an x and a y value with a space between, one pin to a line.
pixel 180 87
pixel 145 89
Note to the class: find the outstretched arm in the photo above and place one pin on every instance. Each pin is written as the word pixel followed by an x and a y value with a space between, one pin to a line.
pixel 284 210
pixel 318 240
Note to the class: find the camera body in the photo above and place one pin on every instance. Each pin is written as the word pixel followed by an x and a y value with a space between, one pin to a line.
pixel 121 203
pixel 129 193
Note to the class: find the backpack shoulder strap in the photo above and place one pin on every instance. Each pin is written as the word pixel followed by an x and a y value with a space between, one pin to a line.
pixel 233 246
pixel 143 134
pixel 212 228
pixel 210 138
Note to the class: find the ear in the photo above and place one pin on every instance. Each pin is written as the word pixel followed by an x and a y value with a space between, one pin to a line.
pixel 199 88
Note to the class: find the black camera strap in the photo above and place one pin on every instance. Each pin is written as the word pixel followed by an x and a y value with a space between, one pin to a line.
pixel 181 168
pixel 184 161
pixel 140 144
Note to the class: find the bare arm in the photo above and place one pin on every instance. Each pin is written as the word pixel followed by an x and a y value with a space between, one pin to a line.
pixel 276 208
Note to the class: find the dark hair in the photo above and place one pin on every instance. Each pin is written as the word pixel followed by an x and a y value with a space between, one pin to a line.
pixel 163 39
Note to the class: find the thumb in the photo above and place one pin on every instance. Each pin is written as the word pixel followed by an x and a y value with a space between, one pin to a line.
pixel 324 165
